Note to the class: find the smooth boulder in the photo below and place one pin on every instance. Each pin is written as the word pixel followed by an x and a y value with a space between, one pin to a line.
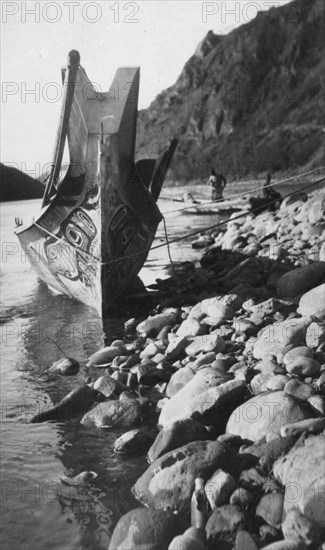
pixel 203 380
pixel 153 325
pixel 304 367
pixel 176 435
pixel 206 405
pixel 134 441
pixel 302 472
pixel 219 488
pixel 73 405
pixel 273 339
pixel 270 508
pixel 147 529
pixel 106 355
pixel 114 414
pixel 108 386
pixel 66 366
pixel 268 452
pixel 169 481
pixel 315 335
pixel 301 280
pixel 192 539
pixel 179 379
pixel 211 307
pixel 313 302
pixel 298 528
pixel 205 344
pixel 222 526
pixel 265 413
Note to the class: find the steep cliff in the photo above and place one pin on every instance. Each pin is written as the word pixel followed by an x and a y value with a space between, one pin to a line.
pixel 246 102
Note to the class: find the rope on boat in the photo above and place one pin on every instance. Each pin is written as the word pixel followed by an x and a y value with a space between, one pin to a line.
pixel 202 230
pixel 61 239
pixel 177 239
pixel 241 193
pixel 242 214
pixel 168 247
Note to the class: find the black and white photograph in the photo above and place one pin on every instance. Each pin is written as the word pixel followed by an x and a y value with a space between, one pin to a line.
pixel 162 286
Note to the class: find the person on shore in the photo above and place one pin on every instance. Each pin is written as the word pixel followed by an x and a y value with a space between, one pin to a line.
pixel 217 182
pixel 265 189
pixel 268 197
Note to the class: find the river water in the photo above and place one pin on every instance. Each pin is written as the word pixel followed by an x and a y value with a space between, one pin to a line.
pixel 39 511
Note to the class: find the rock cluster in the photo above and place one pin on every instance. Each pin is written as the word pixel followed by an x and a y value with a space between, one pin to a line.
pixel 231 368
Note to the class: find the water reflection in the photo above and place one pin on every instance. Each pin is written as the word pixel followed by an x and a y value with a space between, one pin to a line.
pixel 39 510
pixel 56 324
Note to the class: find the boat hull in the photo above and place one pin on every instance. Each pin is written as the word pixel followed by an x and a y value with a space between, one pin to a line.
pixel 97 225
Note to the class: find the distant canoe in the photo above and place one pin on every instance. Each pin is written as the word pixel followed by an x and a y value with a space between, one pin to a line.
pixel 97 224
pixel 208 208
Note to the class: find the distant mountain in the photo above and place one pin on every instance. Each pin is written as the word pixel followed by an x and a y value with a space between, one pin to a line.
pixel 16 185
pixel 246 102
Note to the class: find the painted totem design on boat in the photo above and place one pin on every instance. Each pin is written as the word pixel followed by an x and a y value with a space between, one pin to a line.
pixel 73 253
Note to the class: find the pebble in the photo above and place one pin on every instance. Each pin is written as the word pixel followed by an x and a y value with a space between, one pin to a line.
pixel 312 303
pixel 169 480
pixel 190 327
pixel 264 413
pixel 314 425
pixel 175 347
pixel 154 324
pixel 296 353
pixel 244 541
pixel 270 508
pixel 320 382
pixel 191 539
pixel 315 335
pixel 317 402
pixel 218 488
pixel 65 366
pixel 212 340
pixel 260 382
pixel 202 242
pixel 242 498
pixel 80 479
pixel 175 435
pixel 303 367
pixel 299 390
pixel 111 414
pixel 205 344
pixel 223 525
pixel 285 545
pixel 296 527
pixel 245 326
pixel 268 533
pixel 106 355
pixel 133 441
pixel 145 528
pixel 108 386
pixel 277 382
pixel 301 280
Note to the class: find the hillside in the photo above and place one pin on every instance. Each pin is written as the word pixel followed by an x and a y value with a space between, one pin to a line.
pixel 246 102
pixel 16 185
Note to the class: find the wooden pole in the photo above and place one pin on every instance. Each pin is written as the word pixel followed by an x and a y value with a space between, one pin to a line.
pixel 68 87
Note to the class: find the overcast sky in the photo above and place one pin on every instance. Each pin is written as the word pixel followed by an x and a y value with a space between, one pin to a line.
pixel 157 35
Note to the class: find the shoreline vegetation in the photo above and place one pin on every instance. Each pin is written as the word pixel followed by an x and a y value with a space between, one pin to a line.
pixel 222 387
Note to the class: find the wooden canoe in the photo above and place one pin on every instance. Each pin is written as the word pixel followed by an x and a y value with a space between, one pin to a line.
pixel 97 224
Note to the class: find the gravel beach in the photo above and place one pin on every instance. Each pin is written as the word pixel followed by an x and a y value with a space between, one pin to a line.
pixel 224 381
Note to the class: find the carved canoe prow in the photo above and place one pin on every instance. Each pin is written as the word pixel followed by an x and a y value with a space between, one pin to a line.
pixel 98 222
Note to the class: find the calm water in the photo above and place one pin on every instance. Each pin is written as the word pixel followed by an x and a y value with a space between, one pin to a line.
pixel 38 511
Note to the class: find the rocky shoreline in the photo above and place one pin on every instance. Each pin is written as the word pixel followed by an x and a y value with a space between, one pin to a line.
pixel 224 383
